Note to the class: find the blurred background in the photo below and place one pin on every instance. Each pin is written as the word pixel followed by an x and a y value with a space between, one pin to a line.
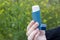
pixel 15 15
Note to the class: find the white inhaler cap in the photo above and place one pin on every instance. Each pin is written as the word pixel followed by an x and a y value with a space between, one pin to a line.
pixel 35 8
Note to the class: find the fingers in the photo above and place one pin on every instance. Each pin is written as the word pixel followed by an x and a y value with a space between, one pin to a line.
pixel 38 33
pixel 42 32
pixel 33 32
pixel 32 28
pixel 31 36
pixel 31 23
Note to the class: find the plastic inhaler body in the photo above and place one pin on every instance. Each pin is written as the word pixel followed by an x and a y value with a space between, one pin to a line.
pixel 36 16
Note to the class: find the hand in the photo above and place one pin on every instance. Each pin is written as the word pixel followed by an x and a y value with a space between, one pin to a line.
pixel 33 33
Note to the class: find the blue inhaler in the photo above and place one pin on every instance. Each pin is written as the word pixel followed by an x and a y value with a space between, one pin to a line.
pixel 36 16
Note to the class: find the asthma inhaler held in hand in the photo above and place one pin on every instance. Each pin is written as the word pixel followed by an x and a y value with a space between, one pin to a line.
pixel 36 16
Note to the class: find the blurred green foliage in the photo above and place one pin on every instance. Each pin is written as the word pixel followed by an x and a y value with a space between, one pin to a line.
pixel 15 15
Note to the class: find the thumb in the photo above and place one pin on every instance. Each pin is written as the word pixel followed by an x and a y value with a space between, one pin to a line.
pixel 42 29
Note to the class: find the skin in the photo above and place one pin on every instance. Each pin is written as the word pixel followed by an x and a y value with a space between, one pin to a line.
pixel 33 33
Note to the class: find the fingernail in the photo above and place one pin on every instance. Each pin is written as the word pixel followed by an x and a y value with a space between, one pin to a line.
pixel 32 21
pixel 37 23
pixel 37 29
